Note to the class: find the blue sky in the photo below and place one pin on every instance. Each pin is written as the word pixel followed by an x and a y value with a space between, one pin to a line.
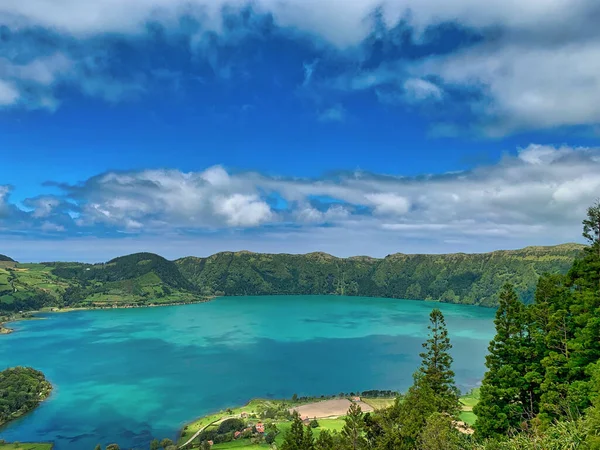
pixel 370 127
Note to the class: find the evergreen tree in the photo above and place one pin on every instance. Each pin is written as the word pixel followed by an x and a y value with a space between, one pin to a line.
pixel 591 226
pixel 354 427
pixel 501 406
pixel 155 444
pixel 294 437
pixel 411 415
pixel 436 364
pixel 308 441
pixel 439 434
pixel 98 447
pixel 325 441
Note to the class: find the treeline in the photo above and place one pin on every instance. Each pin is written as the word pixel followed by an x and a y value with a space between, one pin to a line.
pixel 455 278
pixel 21 390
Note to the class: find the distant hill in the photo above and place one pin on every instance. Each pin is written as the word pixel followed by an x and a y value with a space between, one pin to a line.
pixel 4 258
pixel 138 279
pixel 146 278
pixel 456 278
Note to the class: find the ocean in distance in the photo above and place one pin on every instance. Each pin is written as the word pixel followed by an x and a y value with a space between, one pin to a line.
pixel 129 375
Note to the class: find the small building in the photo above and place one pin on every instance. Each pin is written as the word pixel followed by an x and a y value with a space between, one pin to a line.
pixel 356 399
pixel 237 434
pixel 211 443
pixel 306 421
pixel 260 427
pixel 244 415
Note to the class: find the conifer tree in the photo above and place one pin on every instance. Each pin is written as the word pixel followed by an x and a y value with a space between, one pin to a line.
pixel 294 438
pixel 436 365
pixel 308 441
pixel 591 226
pixel 354 427
pixel 501 405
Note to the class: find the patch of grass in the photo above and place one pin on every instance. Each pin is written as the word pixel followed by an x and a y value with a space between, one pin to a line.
pixel 25 446
pixel 470 399
pixel 468 417
pixel 379 403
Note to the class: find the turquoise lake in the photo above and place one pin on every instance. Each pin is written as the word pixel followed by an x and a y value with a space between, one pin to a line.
pixel 129 375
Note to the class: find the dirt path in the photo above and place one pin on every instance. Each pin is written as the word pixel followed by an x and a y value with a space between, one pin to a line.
pixel 197 433
pixel 329 408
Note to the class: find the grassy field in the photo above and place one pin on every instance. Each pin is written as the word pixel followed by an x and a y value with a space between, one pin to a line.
pixel 468 401
pixel 379 403
pixel 25 446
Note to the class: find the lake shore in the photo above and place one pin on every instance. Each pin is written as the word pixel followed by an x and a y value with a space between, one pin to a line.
pixel 31 314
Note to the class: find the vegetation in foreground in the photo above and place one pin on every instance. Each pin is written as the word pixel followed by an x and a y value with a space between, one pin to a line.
pixel 21 390
pixel 24 446
pixel 145 279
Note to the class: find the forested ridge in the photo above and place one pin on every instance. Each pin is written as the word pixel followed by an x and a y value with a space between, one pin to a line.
pixel 21 390
pixel 456 278
pixel 145 278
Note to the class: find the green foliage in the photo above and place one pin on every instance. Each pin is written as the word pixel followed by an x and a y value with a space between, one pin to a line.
pixel 21 390
pixel 439 433
pixel 458 278
pixel 294 438
pixel 505 396
pixel 435 370
pixel 354 427
pixel 229 425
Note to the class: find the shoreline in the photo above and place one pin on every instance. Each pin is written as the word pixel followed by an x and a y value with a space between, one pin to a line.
pixel 55 310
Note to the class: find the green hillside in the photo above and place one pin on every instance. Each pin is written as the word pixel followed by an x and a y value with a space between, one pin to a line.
pixel 146 278
pixel 4 258
pixel 456 278
pixel 137 279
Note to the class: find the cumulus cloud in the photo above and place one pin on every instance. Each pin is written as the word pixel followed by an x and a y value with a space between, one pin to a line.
pixel 534 64
pixel 539 195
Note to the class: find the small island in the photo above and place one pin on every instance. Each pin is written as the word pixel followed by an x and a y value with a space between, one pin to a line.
pixel 23 389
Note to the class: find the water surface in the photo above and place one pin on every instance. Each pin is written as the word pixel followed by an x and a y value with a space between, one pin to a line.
pixel 128 375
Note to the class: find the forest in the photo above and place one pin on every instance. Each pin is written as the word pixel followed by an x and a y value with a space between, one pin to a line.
pixel 21 390
pixel 145 278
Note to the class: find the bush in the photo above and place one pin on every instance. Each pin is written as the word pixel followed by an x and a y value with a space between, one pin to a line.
pixel 231 425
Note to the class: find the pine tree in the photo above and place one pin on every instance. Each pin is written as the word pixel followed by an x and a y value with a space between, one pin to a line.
pixel 294 437
pixel 502 405
pixel 591 226
pixel 354 427
pixel 325 441
pixel 308 441
pixel 436 364
pixel 439 433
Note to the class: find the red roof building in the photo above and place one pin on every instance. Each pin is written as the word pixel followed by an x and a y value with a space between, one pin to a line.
pixel 236 434
pixel 260 428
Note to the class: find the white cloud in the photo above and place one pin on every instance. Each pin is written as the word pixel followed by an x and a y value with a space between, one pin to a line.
pixel 8 93
pixel 389 203
pixel 538 196
pixel 418 90
pixel 541 70
pixel 526 85
pixel 243 210
pixel 336 113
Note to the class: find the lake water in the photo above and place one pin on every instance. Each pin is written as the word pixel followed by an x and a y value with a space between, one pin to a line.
pixel 128 375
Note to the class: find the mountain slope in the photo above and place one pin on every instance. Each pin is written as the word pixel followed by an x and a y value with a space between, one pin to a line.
pixel 137 279
pixel 456 278
pixel 4 258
